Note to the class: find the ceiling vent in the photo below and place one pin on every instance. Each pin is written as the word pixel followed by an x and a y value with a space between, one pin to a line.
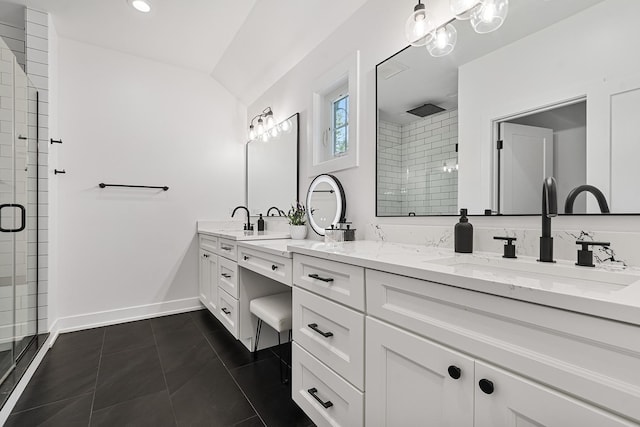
pixel 426 110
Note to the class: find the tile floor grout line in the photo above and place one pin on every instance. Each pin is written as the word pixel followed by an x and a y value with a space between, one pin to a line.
pixel 233 378
pixel 51 403
pixel 164 375
pixel 95 387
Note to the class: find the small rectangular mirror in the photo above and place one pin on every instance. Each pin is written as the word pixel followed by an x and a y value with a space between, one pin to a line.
pixel 272 170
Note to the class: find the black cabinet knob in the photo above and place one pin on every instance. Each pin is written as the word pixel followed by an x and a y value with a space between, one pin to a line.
pixel 245 257
pixel 454 372
pixel 274 267
pixel 486 386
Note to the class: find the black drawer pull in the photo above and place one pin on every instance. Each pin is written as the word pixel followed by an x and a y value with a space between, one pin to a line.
pixel 314 326
pixel 226 276
pixel 454 372
pixel 226 248
pixel 225 311
pixel 274 267
pixel 486 386
pixel 324 279
pixel 313 391
pixel 245 258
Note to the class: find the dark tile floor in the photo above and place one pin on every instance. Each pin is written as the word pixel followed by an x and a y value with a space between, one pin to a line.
pixel 184 370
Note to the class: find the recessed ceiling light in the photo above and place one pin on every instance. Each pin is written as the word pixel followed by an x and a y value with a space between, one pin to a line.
pixel 141 5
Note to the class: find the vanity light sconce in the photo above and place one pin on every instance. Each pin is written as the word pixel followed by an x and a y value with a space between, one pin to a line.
pixel 266 126
pixel 485 16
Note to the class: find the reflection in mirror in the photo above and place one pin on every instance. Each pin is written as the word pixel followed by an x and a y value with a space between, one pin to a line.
pixel 326 203
pixel 272 171
pixel 553 93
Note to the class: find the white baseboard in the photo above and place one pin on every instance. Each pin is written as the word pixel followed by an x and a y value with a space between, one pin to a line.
pixel 122 315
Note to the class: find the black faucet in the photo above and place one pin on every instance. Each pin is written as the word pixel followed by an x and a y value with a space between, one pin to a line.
pixel 248 226
pixel 549 210
pixel 279 211
pixel 602 201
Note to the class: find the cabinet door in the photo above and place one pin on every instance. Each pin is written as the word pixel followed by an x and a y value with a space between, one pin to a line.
pixel 204 289
pixel 409 384
pixel 513 401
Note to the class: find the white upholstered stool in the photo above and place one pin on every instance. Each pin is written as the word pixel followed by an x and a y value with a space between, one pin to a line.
pixel 274 310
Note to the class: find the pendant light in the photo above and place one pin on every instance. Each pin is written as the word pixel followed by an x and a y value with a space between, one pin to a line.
pixel 489 16
pixel 266 126
pixel 443 41
pixel 462 9
pixel 418 27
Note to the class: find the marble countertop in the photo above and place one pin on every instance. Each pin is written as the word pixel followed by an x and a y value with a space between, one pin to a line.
pixel 241 235
pixel 278 247
pixel 609 293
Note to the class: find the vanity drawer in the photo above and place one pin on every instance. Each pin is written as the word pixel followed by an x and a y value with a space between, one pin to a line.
pixel 209 243
pixel 325 397
pixel 340 282
pixel 228 249
pixel 228 311
pixel 228 276
pixel 273 266
pixel 331 332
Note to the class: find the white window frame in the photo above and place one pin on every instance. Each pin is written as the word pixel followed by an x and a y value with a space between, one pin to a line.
pixel 342 79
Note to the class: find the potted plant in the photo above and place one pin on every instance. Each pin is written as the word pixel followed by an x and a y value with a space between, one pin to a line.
pixel 297 221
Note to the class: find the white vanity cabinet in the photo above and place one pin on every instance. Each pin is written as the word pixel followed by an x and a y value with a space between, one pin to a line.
pixel 208 280
pixel 442 355
pixel 328 334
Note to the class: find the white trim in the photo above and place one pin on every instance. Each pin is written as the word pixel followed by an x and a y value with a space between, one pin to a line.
pixel 123 315
pixel 346 71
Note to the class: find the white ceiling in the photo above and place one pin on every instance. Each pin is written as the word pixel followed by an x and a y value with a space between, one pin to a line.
pixel 247 45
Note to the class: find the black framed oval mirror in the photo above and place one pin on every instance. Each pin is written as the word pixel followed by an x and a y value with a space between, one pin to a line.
pixel 326 203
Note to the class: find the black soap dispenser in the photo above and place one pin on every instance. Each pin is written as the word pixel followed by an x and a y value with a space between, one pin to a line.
pixel 260 223
pixel 463 234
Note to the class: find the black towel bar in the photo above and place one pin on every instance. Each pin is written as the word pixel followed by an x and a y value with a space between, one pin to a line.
pixel 103 185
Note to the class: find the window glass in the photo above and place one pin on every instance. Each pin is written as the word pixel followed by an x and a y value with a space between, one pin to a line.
pixel 340 125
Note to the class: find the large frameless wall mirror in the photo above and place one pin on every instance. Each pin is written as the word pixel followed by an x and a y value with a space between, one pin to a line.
pixel 554 92
pixel 272 170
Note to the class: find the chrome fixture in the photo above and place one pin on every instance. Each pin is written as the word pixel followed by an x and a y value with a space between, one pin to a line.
pixel 571 198
pixel 266 126
pixel 485 16
pixel 248 226
pixel 549 210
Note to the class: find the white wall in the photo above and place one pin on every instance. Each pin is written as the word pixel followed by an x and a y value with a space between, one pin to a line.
pixel 128 120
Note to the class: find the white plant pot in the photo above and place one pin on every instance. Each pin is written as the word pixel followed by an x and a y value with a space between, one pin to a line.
pixel 298 232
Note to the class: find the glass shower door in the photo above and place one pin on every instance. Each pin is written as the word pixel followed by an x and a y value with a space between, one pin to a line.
pixel 7 188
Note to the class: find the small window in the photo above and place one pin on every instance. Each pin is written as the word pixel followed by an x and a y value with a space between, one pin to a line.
pixel 335 118
pixel 339 122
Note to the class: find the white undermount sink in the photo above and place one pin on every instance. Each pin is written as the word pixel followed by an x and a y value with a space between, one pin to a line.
pixel 562 277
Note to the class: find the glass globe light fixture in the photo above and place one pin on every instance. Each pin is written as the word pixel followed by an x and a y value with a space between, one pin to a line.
pixel 270 122
pixel 274 131
pixel 265 137
pixel 252 133
pixel 463 9
pixel 260 128
pixel 490 16
pixel 417 28
pixel 285 126
pixel 443 41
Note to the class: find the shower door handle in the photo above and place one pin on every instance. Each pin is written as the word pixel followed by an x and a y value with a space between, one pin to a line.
pixel 23 217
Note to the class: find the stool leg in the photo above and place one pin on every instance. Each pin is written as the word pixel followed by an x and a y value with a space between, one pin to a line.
pixel 283 379
pixel 255 346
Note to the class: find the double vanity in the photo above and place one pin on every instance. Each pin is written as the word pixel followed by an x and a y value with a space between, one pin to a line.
pixel 402 335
